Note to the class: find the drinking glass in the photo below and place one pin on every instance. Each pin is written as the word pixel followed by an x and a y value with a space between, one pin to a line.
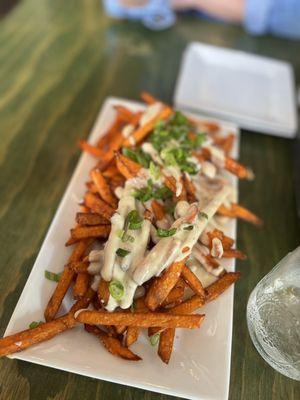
pixel 273 316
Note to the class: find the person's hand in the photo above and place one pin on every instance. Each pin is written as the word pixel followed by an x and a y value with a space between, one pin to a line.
pixel 229 10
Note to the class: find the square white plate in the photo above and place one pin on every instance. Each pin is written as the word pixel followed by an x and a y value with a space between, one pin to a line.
pixel 256 93
pixel 200 364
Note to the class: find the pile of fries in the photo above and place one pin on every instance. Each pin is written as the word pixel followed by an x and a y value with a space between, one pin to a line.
pixel 130 275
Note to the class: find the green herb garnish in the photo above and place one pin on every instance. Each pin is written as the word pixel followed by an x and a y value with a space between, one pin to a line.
pixel 166 232
pixel 188 228
pixel 35 324
pixel 154 339
pixel 116 289
pixel 122 252
pixel 203 215
pixel 133 220
pixel 52 276
pixel 154 170
pixel 125 237
pixel 148 192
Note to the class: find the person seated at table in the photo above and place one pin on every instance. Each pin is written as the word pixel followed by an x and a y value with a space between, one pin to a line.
pixel 278 17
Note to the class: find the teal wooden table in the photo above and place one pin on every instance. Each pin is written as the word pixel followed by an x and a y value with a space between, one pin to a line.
pixel 58 62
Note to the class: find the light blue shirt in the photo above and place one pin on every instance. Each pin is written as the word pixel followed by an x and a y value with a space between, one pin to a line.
pixel 278 17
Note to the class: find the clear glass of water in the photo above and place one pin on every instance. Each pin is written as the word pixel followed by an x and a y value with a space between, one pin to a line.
pixel 273 316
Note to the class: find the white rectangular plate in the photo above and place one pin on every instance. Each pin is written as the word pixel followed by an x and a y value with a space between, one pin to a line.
pixel 200 364
pixel 257 93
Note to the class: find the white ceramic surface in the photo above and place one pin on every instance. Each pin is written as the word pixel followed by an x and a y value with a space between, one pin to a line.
pixel 200 364
pixel 256 93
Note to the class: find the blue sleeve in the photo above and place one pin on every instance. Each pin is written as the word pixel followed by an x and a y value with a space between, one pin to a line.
pixel 279 17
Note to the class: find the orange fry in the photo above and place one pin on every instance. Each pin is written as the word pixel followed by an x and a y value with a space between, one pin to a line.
pixel 143 320
pixel 103 188
pixel 126 166
pixel 165 345
pixel 237 211
pixel 97 231
pixel 65 280
pixel 98 206
pixel 192 280
pixel 162 286
pixel 215 289
pixel 148 98
pixel 103 292
pixel 23 340
pixel 158 210
pixel 89 148
pixel 234 253
pixel 132 335
pixel 112 344
pixel 81 285
pixel 78 266
pixel 90 219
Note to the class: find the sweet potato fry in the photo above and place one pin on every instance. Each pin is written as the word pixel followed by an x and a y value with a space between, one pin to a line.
pixel 79 266
pixel 158 210
pixel 103 188
pixel 227 242
pixel 84 301
pixel 65 280
pixel 104 141
pixel 225 142
pixel 234 253
pixel 174 297
pixel 81 285
pixel 215 289
pixel 162 286
pixel 91 187
pixel 97 231
pixel 111 171
pixel 98 206
pixel 23 340
pixel 124 113
pixel 92 150
pixel 148 98
pixel 192 280
pixel 237 211
pixel 190 189
pixel 103 292
pixel 144 130
pixel 91 219
pixel 126 166
pixel 165 345
pixel 113 345
pixel 132 335
pixel 143 320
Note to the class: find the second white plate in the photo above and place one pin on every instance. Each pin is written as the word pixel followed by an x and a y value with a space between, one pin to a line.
pixel 257 93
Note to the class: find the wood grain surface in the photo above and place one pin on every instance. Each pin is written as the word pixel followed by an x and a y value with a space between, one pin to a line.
pixel 58 62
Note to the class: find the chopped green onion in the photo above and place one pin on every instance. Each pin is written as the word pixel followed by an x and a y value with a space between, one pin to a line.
pixel 116 289
pixel 166 232
pixel 188 228
pixel 154 339
pixel 203 215
pixel 52 276
pixel 162 193
pixel 35 324
pixel 170 208
pixel 144 194
pixel 125 237
pixel 154 170
pixel 137 155
pixel 122 252
pixel 133 220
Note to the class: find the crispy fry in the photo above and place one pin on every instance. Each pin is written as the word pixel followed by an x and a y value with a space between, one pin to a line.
pixel 91 187
pixel 103 188
pixel 126 166
pixel 158 210
pixel 23 340
pixel 143 320
pixel 92 150
pixel 78 266
pixel 98 206
pixel 97 231
pixel 162 286
pixel 237 211
pixel 165 345
pixel 124 113
pixel 84 301
pixel 111 171
pixel 144 130
pixel 174 297
pixel 215 289
pixel 234 253
pixel 211 261
pixel 113 345
pixel 103 292
pixel 227 242
pixel 192 280
pixel 103 142
pixel 225 142
pixel 148 98
pixel 91 219
pixel 65 280
pixel 81 285
pixel 132 335
pixel 190 189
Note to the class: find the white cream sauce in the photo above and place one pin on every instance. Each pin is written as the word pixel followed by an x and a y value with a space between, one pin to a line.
pixel 150 113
